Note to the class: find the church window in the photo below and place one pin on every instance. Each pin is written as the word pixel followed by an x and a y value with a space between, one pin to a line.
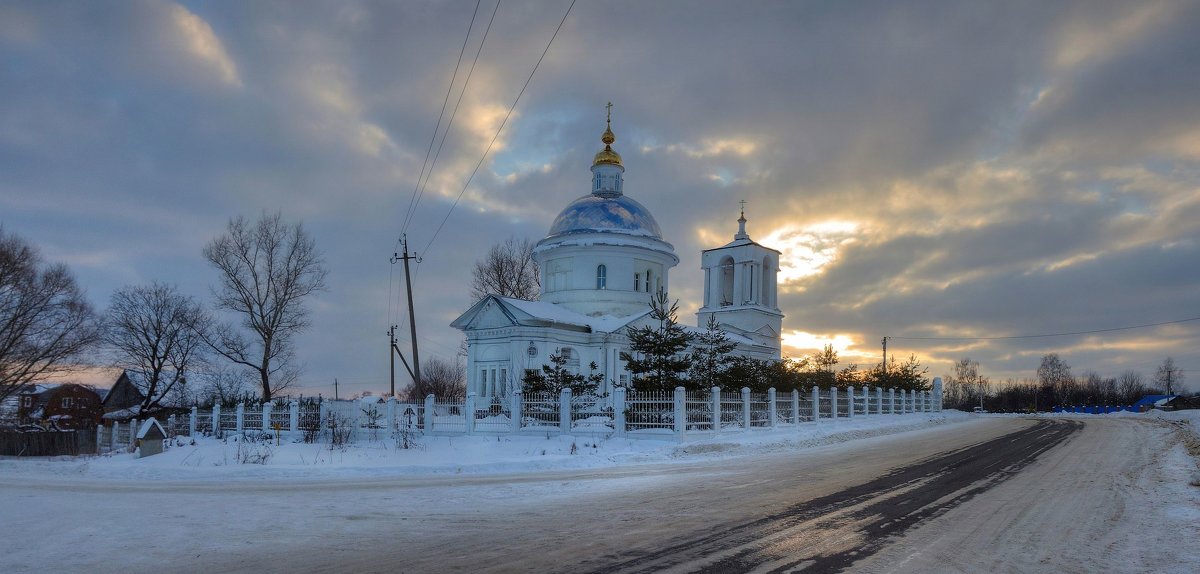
pixel 601 277
pixel 482 381
pixel 647 280
pixel 637 281
pixel 726 282
pixel 767 267
pixel 750 291
pixel 572 359
pixel 504 380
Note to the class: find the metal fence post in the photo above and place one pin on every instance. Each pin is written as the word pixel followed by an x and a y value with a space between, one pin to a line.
pixel 429 414
pixel 816 404
pixel 772 410
pixel 514 410
pixel 468 413
pixel 796 407
pixel 680 408
pixel 266 416
pixel 745 408
pixel 715 400
pixel 937 393
pixel 564 411
pixel 619 411
pixel 390 414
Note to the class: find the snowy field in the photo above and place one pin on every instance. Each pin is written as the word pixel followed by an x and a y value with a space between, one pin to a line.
pixel 308 507
pixel 231 459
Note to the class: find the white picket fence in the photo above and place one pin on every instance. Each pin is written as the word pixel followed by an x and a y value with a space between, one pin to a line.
pixel 677 414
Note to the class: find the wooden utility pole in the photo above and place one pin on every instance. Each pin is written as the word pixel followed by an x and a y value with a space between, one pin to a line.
pixel 885 355
pixel 393 352
pixel 392 356
pixel 412 321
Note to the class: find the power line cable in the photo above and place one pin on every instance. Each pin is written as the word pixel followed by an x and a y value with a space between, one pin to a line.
pixel 498 130
pixel 433 138
pixel 453 114
pixel 1091 332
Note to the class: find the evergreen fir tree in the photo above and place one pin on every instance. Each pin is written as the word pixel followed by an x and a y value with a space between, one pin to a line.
pixel 555 377
pixel 657 358
pixel 710 355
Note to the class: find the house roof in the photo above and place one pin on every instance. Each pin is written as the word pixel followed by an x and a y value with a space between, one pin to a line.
pixel 543 314
pixel 147 425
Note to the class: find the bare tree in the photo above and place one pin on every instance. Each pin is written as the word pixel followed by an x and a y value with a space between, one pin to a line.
pixel 223 386
pixel 1168 376
pixel 154 332
pixel 45 321
pixel 507 270
pixel 1055 378
pixel 441 378
pixel 1130 386
pixel 267 268
pixel 966 387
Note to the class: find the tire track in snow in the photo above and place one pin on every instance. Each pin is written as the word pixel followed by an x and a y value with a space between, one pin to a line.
pixel 830 533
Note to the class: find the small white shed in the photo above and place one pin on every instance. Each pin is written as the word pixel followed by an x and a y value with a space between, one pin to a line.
pixel 150 438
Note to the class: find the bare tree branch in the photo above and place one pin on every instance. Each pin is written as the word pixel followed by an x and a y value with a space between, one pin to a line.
pixel 267 270
pixel 45 321
pixel 155 333
pixel 508 270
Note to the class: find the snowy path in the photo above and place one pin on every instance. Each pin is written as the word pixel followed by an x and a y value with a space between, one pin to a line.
pixel 1110 500
pixel 1092 502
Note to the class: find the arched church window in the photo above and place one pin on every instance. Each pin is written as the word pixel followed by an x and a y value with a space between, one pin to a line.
pixel 601 277
pixel 726 281
pixel 637 281
pixel 647 280
pixel 571 357
pixel 768 267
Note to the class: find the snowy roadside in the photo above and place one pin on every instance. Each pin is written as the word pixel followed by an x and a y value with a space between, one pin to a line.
pixel 211 458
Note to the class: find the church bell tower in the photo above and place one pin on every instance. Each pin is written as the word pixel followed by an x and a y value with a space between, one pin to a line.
pixel 741 291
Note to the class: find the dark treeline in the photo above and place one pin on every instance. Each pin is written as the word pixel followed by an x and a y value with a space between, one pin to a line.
pixel 1053 386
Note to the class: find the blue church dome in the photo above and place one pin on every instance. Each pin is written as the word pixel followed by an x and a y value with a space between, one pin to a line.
pixel 596 213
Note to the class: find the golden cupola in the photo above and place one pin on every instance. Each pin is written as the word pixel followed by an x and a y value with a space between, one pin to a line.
pixel 607 155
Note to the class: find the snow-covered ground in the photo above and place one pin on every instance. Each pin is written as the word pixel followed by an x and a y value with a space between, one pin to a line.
pixel 231 459
pixel 197 508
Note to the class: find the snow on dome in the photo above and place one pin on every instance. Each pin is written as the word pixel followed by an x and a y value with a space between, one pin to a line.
pixel 594 213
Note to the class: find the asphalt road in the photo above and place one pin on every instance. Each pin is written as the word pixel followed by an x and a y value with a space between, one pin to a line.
pixel 823 510
pixel 987 495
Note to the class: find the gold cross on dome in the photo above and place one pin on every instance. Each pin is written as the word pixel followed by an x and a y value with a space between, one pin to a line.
pixel 743 202
pixel 609 106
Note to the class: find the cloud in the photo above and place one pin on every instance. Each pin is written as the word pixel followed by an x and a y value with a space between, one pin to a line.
pixel 200 41
pixel 1001 169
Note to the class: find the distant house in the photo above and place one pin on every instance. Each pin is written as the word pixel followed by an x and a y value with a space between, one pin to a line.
pixel 66 406
pixel 1152 401
pixel 124 399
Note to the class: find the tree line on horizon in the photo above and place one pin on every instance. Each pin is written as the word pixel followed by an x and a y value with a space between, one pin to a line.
pixel 174 348
pixel 1055 386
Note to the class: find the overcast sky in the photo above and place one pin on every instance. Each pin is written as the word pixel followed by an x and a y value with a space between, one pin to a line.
pixel 929 169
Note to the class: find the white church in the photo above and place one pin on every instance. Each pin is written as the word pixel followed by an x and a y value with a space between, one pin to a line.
pixel 601 262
